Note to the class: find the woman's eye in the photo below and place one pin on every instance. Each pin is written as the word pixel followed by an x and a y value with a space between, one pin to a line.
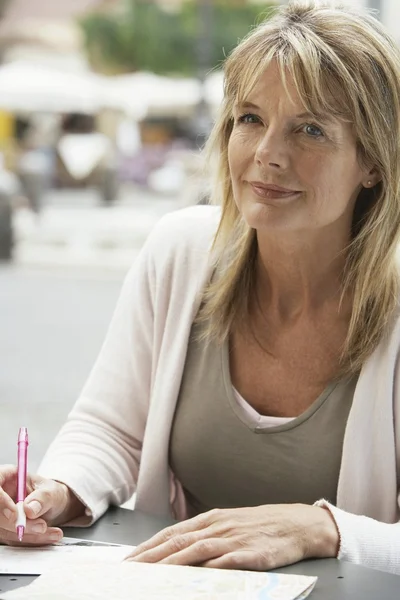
pixel 313 131
pixel 249 119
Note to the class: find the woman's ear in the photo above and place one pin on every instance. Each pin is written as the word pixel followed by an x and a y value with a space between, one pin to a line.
pixel 372 178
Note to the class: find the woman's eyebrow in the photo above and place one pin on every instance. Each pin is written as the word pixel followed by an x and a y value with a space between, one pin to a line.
pixel 305 115
pixel 319 116
pixel 246 105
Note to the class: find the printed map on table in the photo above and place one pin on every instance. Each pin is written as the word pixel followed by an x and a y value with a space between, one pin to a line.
pixel 26 560
pixel 140 581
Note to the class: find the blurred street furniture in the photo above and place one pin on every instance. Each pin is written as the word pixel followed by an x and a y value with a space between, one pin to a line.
pixel 158 95
pixel 167 160
pixel 196 185
pixel 9 189
pixel 86 157
pixel 182 176
pixel 33 88
pixel 28 87
pixel 6 228
pixel 169 179
pixel 33 172
pixel 102 127
pixel 77 153
pixel 147 95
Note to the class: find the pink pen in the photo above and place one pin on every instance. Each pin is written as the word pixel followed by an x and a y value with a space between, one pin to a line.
pixel 21 484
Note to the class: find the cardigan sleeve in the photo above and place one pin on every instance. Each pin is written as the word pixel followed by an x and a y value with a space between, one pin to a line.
pixel 365 541
pixel 97 452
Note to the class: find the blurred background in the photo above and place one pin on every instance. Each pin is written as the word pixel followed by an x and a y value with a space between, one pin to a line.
pixel 104 108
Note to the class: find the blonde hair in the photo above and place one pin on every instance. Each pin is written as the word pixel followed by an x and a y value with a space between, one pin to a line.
pixel 342 61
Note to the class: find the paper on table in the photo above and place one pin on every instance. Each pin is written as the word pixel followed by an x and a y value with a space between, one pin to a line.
pixel 24 560
pixel 127 580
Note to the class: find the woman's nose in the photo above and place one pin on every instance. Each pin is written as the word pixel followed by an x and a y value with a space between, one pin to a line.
pixel 272 151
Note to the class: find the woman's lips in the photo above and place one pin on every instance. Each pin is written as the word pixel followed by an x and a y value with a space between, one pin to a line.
pixel 273 193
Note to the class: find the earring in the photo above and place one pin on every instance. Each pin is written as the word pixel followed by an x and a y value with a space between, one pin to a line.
pixel 369 183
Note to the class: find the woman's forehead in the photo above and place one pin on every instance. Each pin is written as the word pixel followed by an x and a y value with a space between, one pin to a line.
pixel 273 85
pixel 293 86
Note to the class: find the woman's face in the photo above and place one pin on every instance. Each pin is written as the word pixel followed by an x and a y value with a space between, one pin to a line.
pixel 290 170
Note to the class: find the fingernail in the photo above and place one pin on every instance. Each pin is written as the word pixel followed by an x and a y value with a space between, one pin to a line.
pixel 7 513
pixel 35 507
pixel 39 528
pixel 55 537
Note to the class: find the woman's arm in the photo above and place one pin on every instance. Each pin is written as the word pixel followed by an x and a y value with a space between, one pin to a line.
pixel 97 452
pixel 271 536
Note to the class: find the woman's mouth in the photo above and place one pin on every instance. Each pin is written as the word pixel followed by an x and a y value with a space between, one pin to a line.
pixel 272 192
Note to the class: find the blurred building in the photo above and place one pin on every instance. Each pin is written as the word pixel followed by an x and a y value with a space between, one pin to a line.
pixel 45 31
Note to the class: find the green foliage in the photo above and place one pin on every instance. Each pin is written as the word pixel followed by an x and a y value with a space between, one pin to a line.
pixel 229 24
pixel 147 37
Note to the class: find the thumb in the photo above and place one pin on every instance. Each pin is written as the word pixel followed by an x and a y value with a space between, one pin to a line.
pixel 48 498
pixel 33 505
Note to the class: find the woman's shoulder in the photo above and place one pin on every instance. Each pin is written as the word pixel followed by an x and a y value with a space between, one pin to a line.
pixel 188 230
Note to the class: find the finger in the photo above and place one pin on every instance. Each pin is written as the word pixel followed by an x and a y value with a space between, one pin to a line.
pixel 35 526
pixel 172 546
pixel 8 511
pixel 200 552
pixel 43 498
pixel 8 479
pixel 246 560
pixel 180 552
pixel 32 525
pixel 185 527
pixel 52 536
pixel 9 516
pixel 7 472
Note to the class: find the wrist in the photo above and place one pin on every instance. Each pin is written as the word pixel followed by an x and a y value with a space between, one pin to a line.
pixel 73 507
pixel 327 540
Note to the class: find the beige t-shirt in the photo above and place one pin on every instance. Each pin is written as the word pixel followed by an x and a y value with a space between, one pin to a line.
pixel 226 456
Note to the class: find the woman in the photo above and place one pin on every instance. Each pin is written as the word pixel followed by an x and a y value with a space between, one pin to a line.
pixel 247 384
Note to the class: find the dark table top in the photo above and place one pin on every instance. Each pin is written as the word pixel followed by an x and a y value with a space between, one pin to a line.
pixel 337 580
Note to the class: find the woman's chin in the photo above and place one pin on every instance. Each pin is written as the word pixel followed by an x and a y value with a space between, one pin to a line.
pixel 266 217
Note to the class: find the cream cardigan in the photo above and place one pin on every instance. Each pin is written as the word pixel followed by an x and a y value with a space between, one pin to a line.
pixel 116 438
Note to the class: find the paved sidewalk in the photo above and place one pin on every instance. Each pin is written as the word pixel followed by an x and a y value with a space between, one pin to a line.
pixel 76 231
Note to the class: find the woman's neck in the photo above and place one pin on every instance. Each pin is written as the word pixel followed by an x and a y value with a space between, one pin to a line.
pixel 296 277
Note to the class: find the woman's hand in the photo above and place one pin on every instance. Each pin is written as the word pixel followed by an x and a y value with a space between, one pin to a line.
pixel 257 538
pixel 46 503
